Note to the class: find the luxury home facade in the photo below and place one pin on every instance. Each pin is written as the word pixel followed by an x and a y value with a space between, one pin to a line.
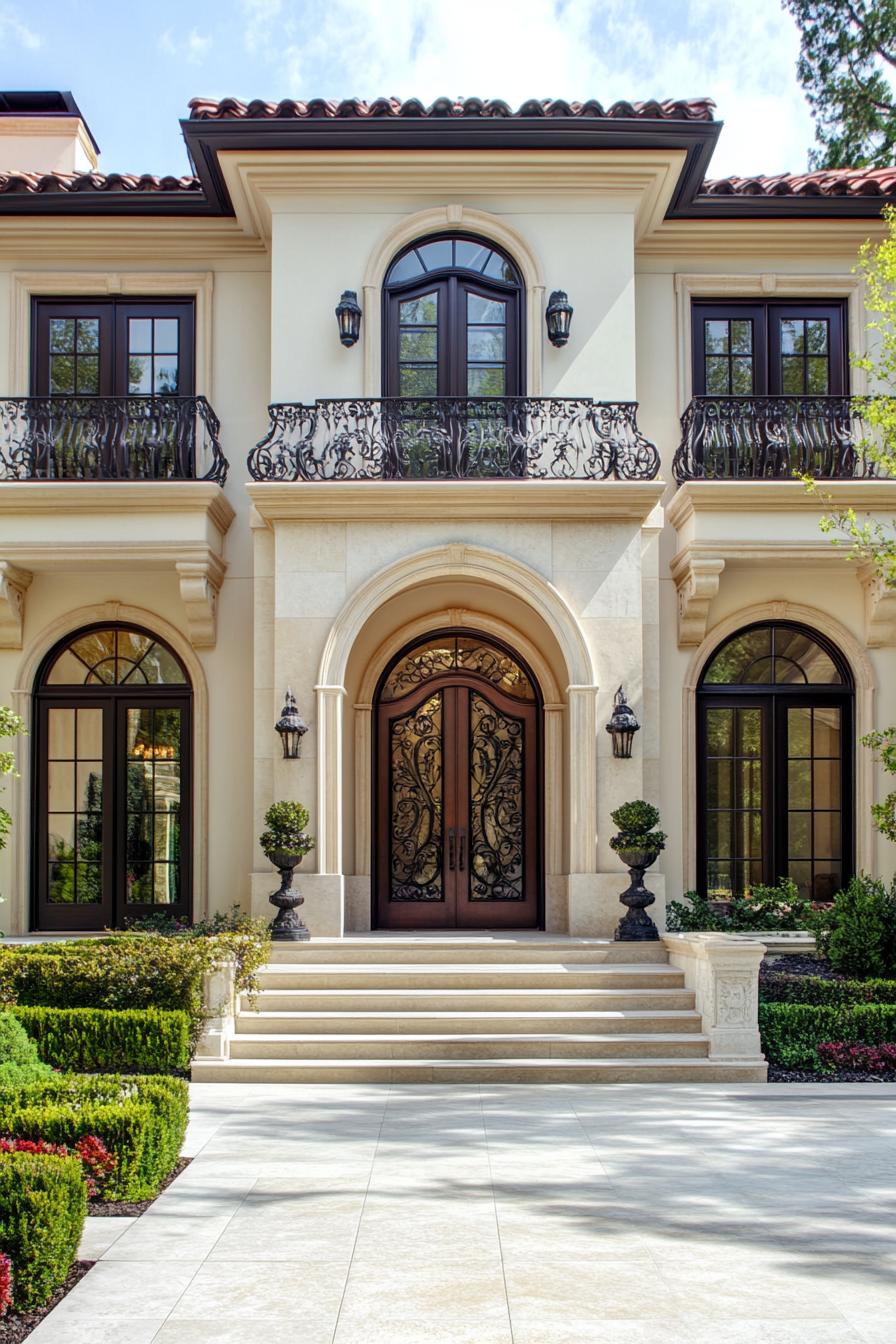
pixel 549 452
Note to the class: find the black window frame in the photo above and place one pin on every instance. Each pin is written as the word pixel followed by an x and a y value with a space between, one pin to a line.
pixel 775 699
pixel 113 314
pixel 767 317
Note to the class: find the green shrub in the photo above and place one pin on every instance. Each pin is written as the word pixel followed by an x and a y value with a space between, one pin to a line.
pixel 780 908
pixel 285 830
pixel 779 987
pixel 19 1058
pixel 792 1032
pixel 636 822
pixel 43 1201
pixel 142 1121
pixel 109 1040
pixel 858 935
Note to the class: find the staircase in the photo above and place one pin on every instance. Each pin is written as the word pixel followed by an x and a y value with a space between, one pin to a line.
pixel 486 1008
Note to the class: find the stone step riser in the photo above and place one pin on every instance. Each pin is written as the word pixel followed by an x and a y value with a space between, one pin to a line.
pixel 509 1071
pixel 506 1001
pixel 380 950
pixel 464 1024
pixel 446 1048
pixel 397 978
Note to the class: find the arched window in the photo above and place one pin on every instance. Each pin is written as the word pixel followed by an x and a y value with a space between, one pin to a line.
pixel 112 779
pixel 452 324
pixel 775 731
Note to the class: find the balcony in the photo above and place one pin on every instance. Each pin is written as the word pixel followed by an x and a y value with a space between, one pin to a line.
pixel 454 438
pixel 110 439
pixel 771 438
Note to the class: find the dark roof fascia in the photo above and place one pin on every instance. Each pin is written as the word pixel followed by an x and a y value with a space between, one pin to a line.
pixel 191 204
pixel 783 206
pixel 65 107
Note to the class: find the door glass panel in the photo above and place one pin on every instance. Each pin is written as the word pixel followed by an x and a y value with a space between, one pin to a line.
pixel 418 346
pixel 74 817
pixel 497 811
pixel 153 805
pixel 152 355
pixel 486 347
pixel 728 356
pixel 74 356
pixel 416 807
pixel 734 797
pixel 814 818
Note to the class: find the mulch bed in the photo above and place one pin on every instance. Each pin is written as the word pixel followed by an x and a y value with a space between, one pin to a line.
pixel 15 1327
pixel 104 1208
pixel 797 963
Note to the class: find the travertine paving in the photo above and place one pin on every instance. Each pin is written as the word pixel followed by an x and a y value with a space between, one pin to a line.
pixel 510 1215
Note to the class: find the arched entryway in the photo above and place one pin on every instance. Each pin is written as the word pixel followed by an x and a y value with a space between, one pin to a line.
pixel 457 787
pixel 112 780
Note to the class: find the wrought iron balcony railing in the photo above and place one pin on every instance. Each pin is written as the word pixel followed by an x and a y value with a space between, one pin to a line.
pixel 110 439
pixel 771 438
pixel 457 438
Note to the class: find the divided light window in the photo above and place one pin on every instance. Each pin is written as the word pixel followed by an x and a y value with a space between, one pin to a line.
pixel 112 348
pixel 769 349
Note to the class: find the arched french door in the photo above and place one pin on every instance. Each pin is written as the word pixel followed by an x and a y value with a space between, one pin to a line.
pixel 457 788
pixel 775 763
pixel 112 781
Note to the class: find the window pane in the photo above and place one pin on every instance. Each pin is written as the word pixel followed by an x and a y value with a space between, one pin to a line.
pixel 799 784
pixel 719 783
pixel 816 665
pixel 485 343
pixel 742 377
pixel 166 342
pixel 418 381
pixel 483 382
pixel 167 734
pixel 827 881
pixel 499 269
pixel 749 835
pixel 419 312
pixel 405 269
pixel 139 375
pixel 131 645
pixel 801 873
pixel 799 732
pixel 817 336
pixel 139 837
pixel 139 733
pixel 715 337
pixel 718 833
pixel 139 883
pixel 799 840
pixel 89 785
pixel 436 255
pixel 165 376
pixel 419 344
pixel 140 335
pixel 62 334
pixel 485 310
pixel 717 377
pixel 60 734
pixel 719 731
pixel 161 667
pixel 749 783
pixel 88 338
pixel 793 341
pixel 749 732
pixel 792 376
pixel 731 664
pixel 88 375
pixel 89 883
pixel 61 887
pixel 827 732
pixel 89 837
pixel 67 671
pixel 827 783
pixel 61 835
pixel 742 337
pixel 472 256
pixel 60 786
pixel 827 835
pixel 62 375
pixel 817 376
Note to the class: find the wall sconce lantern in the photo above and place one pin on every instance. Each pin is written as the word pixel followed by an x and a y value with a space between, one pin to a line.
pixel 558 317
pixel 622 726
pixel 348 316
pixel 292 728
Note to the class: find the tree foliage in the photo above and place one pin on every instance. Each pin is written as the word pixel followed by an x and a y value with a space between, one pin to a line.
pixel 847 54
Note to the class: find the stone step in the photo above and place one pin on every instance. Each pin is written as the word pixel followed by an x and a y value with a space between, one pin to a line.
pixel 519 949
pixel 548 975
pixel 509 1000
pixel 618 1021
pixel 535 1071
pixel 479 1045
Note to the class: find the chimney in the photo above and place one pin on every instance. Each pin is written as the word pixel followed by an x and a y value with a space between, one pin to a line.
pixel 44 133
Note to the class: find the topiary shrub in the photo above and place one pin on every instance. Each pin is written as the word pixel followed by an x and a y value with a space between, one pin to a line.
pixel 19 1059
pixel 779 987
pixel 43 1202
pixel 792 1032
pixel 285 831
pixel 109 1040
pixel 637 822
pixel 858 935
pixel 141 1121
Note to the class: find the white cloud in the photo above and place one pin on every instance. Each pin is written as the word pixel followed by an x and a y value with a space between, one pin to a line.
pixel 13 30
pixel 191 48
pixel 743 54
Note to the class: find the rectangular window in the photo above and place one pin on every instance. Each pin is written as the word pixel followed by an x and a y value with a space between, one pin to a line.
pixel 112 348
pixel 784 348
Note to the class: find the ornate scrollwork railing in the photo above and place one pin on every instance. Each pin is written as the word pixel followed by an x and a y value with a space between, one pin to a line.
pixel 458 438
pixel 771 438
pixel 110 439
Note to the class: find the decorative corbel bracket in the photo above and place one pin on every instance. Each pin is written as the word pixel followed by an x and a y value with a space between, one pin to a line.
pixel 13 583
pixel 697 580
pixel 880 609
pixel 200 582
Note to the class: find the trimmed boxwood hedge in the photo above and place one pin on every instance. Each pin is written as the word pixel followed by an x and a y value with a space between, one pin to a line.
pixel 779 987
pixel 792 1032
pixel 142 1121
pixel 109 1040
pixel 19 1058
pixel 43 1202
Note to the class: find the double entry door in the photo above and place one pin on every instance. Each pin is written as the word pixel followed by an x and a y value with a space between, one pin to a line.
pixel 456 811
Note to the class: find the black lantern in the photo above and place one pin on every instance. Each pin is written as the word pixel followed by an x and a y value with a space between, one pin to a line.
pixel 292 728
pixel 348 315
pixel 558 317
pixel 622 726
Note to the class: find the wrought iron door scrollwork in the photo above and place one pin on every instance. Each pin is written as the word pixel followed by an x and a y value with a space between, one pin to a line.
pixel 416 789
pixel 496 804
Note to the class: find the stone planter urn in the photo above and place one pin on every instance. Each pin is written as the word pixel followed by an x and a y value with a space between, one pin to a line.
pixel 637 926
pixel 287 926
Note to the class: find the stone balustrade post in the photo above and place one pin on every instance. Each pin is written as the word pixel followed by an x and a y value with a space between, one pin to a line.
pixel 219 1002
pixel 723 971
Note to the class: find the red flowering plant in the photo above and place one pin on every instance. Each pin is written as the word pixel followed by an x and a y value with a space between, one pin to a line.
pixel 858 1058
pixel 5 1283
pixel 96 1159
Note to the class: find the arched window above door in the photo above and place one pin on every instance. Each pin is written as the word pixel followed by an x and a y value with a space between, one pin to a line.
pixel 453 315
pixel 775 767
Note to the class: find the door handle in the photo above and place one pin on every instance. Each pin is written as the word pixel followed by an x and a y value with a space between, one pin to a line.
pixel 461 844
pixel 451 838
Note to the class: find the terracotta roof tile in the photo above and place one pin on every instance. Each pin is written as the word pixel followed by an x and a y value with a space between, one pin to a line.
pixel 115 184
pixel 826 182
pixel 210 109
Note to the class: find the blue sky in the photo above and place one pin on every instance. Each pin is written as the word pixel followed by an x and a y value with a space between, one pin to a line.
pixel 133 67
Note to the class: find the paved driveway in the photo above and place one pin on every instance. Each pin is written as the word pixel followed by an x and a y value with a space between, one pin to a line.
pixel 509 1215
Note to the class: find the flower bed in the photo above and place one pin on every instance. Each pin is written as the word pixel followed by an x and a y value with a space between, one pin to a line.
pixel 847 1057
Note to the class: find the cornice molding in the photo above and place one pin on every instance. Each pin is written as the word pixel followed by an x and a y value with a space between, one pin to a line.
pixel 796 239
pixel 396 501
pixel 24 498
pixel 778 497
